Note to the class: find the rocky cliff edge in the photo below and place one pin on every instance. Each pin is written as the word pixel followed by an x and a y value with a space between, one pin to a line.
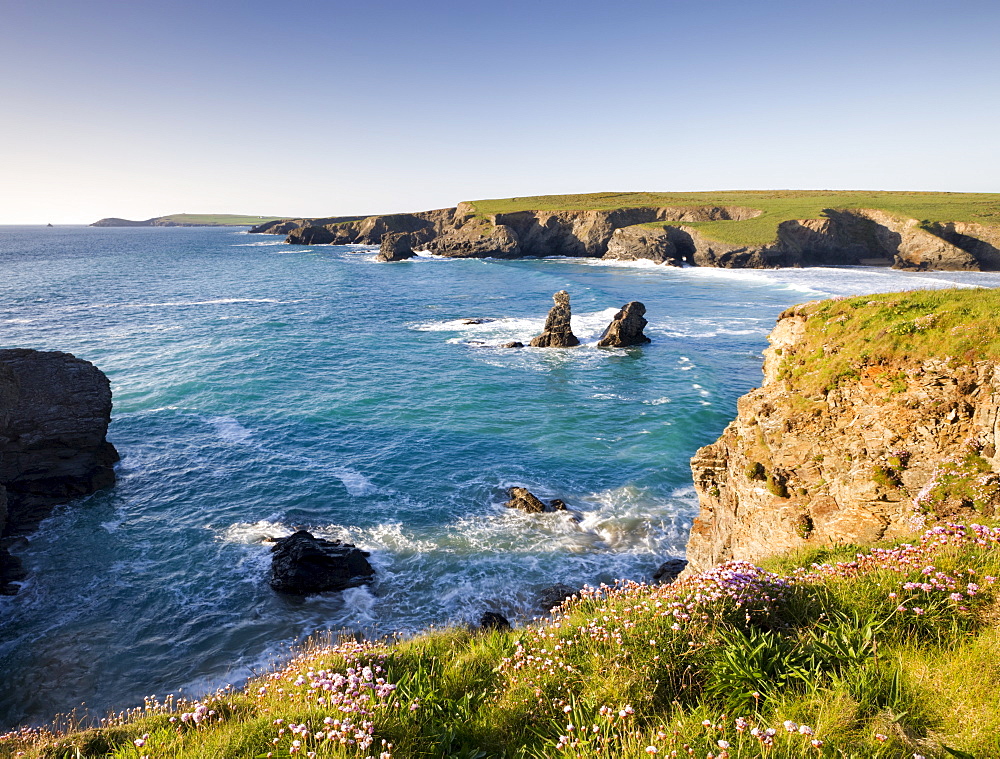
pixel 877 415
pixel 665 235
pixel 54 415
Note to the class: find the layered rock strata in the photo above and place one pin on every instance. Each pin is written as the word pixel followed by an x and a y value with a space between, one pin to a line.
pixel 54 415
pixel 665 235
pixel 557 332
pixel 870 458
pixel 626 328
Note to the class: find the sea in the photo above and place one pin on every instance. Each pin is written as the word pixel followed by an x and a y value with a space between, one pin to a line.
pixel 261 387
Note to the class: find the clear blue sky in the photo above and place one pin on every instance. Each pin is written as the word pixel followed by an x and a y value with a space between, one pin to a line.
pixel 138 108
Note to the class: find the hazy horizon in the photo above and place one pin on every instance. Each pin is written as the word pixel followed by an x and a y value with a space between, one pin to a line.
pixel 323 109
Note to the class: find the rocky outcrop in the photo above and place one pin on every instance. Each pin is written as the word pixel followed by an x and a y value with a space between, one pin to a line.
pixel 642 243
pixel 491 620
pixel 311 235
pixel 397 246
pixel 303 565
pixel 669 571
pixel 557 333
pixel 626 328
pixel 553 596
pixel 524 500
pixel 869 458
pixel 54 415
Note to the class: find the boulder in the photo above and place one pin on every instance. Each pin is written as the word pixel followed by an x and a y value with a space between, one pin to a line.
pixel 557 333
pixel 669 571
pixel 303 564
pixel 554 595
pixel 493 621
pixel 626 328
pixel 514 344
pixel 54 415
pixel 395 246
pixel 523 499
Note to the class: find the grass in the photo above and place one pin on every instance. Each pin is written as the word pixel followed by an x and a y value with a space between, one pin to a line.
pixel 887 652
pixel 879 336
pixel 776 206
pixel 218 220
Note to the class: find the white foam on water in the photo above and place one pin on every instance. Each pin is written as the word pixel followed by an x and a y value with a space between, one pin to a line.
pixel 359 605
pixel 254 533
pixel 16 321
pixel 231 430
pixel 355 482
pixel 258 244
pixel 591 326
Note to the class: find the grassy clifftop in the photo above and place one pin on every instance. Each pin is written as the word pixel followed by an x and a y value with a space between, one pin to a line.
pixel 776 206
pixel 843 336
pixel 889 652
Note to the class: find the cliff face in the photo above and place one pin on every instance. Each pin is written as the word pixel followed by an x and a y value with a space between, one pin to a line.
pixel 841 237
pixel 896 442
pixel 54 415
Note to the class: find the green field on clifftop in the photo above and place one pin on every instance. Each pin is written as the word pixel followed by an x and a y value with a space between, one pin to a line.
pixel 217 220
pixel 777 206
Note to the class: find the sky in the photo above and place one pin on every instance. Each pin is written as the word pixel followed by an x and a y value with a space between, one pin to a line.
pixel 141 108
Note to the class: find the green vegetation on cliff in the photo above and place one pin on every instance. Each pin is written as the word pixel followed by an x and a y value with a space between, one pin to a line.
pixel 885 653
pixel 776 206
pixel 879 334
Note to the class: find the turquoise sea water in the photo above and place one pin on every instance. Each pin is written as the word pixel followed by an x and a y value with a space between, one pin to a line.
pixel 259 387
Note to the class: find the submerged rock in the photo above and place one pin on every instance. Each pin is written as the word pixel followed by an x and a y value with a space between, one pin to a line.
pixel 626 328
pixel 514 344
pixel 523 499
pixel 303 564
pixel 395 246
pixel 669 571
pixel 477 321
pixel 557 333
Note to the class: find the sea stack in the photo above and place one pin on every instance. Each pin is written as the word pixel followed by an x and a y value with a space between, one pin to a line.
pixel 557 332
pixel 395 246
pixel 626 328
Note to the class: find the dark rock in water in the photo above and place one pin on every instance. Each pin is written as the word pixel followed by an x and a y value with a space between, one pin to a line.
pixel 54 414
pixel 514 344
pixel 477 321
pixel 557 333
pixel 303 564
pixel 310 236
pixel 523 499
pixel 395 246
pixel 669 570
pixel 493 621
pixel 554 595
pixel 626 328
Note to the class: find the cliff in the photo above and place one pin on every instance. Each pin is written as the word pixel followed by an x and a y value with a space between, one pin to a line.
pixel 713 234
pixel 54 415
pixel 876 414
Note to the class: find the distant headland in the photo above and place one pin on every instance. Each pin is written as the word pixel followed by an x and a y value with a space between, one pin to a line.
pixel 189 220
